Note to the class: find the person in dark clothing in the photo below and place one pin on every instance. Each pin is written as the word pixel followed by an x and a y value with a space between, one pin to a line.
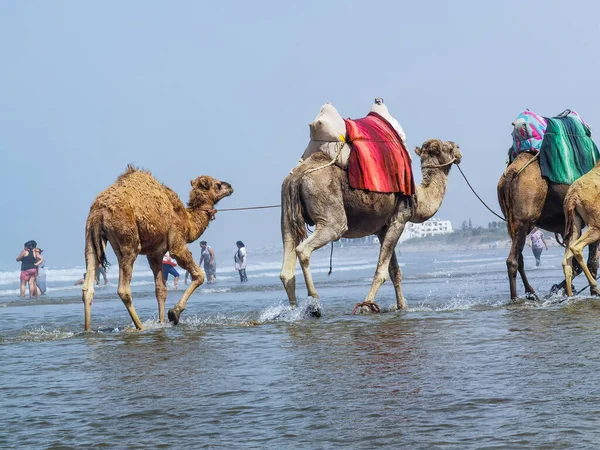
pixel 30 258
pixel 207 257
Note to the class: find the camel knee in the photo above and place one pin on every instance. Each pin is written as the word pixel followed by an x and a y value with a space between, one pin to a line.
pixel 198 278
pixel 286 278
pixel 161 292
pixel 396 276
pixel 303 255
pixel 512 266
pixel 577 254
pixel 87 295
pixel 380 279
pixel 124 294
pixel 568 270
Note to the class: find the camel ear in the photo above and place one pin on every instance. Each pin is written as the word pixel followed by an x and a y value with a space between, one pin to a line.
pixel 418 151
pixel 200 183
pixel 204 183
pixel 455 151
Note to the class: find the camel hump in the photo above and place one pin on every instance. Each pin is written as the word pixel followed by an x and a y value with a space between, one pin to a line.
pixel 132 170
pixel 379 108
pixel 326 132
pixel 328 125
pixel 137 190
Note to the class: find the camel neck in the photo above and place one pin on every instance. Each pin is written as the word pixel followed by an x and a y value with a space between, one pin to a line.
pixel 199 218
pixel 430 193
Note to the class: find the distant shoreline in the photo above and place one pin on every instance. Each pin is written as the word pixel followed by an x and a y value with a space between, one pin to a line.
pixel 463 244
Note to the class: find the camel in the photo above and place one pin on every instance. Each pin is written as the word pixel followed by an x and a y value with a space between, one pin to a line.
pixel 527 199
pixel 323 198
pixel 580 208
pixel 140 216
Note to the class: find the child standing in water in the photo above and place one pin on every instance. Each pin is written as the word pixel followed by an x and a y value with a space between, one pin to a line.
pixel 169 268
pixel 537 244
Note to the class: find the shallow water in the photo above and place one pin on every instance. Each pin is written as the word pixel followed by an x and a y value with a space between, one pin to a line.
pixel 460 369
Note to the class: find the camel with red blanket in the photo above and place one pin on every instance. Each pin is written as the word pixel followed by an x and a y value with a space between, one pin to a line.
pixel 318 192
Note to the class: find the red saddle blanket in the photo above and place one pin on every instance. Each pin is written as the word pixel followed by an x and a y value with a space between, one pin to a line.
pixel 378 162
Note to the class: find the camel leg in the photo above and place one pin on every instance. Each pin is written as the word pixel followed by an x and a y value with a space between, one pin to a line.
pixel 591 235
pixel 388 248
pixel 593 265
pixel 528 288
pixel 124 289
pixel 568 258
pixel 514 262
pixel 288 269
pixel 395 275
pixel 186 261
pixel 91 262
pixel 324 233
pixel 160 288
pixel 568 271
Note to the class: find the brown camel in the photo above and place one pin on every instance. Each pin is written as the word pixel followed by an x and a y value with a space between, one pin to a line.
pixel 140 216
pixel 581 207
pixel 527 199
pixel 323 198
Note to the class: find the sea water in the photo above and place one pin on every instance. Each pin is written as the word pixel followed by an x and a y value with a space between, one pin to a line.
pixel 462 368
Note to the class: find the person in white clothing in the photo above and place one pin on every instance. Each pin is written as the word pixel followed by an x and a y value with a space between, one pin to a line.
pixel 240 260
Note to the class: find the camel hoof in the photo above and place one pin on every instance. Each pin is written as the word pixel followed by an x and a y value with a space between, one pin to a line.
pixel 174 316
pixel 557 287
pixel 314 311
pixel 366 307
pixel 532 296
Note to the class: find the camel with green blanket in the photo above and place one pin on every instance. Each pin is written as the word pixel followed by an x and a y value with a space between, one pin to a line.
pixel 532 190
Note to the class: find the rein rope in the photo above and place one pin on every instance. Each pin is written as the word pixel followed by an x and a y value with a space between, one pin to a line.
pixel 250 207
pixel 452 161
pixel 439 166
pixel 473 190
pixel 333 161
pixel 537 155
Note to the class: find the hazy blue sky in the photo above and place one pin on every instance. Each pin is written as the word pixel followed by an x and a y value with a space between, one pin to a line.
pixel 185 88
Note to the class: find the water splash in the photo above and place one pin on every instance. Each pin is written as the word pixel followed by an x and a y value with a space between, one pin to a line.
pixel 41 335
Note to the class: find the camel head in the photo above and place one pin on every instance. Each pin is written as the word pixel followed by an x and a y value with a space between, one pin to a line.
pixel 437 154
pixel 207 191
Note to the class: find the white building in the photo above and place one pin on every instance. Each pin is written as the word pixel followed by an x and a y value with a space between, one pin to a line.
pixel 430 227
pixel 367 240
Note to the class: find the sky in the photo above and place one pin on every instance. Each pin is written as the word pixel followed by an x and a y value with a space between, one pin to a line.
pixel 227 89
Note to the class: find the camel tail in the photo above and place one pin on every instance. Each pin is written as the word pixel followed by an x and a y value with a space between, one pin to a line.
pixel 291 206
pixel 95 240
pixel 505 200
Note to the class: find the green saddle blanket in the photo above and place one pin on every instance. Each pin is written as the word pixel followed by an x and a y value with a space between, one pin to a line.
pixel 567 151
